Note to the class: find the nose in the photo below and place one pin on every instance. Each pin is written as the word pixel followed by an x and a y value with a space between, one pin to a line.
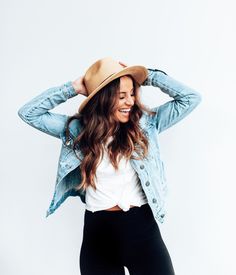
pixel 129 101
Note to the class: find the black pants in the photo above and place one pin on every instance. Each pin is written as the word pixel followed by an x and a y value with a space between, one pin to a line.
pixel 114 239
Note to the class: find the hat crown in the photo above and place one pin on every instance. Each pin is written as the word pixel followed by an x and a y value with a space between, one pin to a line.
pixel 99 72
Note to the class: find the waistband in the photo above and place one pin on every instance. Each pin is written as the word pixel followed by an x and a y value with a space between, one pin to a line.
pixel 119 212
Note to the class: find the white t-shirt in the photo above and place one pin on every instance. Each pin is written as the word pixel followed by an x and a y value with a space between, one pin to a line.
pixel 122 187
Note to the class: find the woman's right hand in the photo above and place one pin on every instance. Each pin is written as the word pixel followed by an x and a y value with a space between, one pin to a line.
pixel 79 86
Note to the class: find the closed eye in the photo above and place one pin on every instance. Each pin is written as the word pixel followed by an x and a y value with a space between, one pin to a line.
pixel 124 97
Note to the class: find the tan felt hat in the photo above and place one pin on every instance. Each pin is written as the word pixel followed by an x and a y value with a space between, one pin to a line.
pixel 104 71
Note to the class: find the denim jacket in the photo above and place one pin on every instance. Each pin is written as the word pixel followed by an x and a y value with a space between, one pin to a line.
pixel 150 170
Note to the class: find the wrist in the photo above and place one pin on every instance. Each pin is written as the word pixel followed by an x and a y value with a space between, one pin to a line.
pixel 75 86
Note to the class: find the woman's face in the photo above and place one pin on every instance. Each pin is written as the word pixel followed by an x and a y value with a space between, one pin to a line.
pixel 126 99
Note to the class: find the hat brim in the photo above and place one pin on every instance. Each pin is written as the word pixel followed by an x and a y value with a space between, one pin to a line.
pixel 139 73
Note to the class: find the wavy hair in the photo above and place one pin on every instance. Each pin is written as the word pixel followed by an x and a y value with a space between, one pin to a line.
pixel 98 124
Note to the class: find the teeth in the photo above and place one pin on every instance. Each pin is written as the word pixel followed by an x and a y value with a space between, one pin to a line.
pixel 124 110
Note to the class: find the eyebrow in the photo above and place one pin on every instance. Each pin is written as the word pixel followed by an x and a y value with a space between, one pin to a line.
pixel 125 92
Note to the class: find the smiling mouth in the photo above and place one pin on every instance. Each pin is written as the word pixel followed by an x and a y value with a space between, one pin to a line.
pixel 125 111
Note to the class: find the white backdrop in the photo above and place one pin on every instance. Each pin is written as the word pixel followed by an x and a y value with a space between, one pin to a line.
pixel 46 43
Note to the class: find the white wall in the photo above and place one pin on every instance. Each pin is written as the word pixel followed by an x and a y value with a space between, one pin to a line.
pixel 45 43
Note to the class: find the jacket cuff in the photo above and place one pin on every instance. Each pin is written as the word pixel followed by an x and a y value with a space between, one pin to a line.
pixel 68 90
pixel 148 80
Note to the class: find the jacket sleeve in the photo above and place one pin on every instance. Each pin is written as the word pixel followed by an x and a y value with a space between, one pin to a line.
pixel 36 111
pixel 184 100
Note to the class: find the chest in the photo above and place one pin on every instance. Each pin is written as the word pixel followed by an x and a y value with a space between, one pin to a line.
pixel 70 159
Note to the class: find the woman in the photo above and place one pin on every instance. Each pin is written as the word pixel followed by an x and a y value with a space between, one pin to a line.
pixel 110 158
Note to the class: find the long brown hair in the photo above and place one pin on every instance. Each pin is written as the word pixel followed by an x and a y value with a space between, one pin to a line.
pixel 98 124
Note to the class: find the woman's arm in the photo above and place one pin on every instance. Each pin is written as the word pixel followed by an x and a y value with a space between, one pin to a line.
pixel 36 111
pixel 184 100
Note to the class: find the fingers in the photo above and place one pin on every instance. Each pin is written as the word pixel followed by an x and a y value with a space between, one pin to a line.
pixel 122 64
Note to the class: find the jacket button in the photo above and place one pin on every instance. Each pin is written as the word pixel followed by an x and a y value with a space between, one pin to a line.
pixel 147 183
pixel 163 215
pixel 68 166
pixel 68 142
pixel 154 200
pixel 141 166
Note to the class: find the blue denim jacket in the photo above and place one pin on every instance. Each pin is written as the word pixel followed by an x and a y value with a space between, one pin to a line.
pixel 150 170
